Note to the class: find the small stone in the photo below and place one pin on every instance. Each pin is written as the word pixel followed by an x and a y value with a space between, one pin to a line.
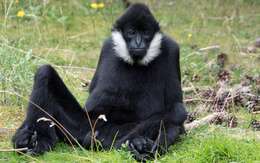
pixel 251 49
pixel 257 42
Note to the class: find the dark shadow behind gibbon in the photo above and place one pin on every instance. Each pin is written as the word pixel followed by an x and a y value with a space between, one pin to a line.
pixel 136 88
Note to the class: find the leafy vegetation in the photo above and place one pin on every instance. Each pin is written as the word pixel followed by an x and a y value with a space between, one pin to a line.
pixel 69 36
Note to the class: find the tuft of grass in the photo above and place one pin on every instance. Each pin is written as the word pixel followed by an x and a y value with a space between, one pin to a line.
pixel 213 146
pixel 15 68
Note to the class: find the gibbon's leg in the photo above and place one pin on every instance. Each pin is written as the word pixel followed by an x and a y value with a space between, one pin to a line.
pixel 51 108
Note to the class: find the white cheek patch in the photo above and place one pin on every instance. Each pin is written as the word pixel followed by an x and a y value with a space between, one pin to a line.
pixel 154 49
pixel 120 47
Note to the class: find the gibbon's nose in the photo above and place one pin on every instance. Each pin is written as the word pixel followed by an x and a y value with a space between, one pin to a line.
pixel 139 42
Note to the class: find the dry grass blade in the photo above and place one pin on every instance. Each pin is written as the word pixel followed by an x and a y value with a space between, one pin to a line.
pixel 210 48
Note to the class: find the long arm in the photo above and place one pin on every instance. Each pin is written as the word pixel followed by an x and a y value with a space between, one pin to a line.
pixel 174 97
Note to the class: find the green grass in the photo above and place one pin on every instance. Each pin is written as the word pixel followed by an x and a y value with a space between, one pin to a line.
pixel 207 144
pixel 69 36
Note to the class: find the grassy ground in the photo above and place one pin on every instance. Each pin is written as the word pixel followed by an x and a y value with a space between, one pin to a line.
pixel 69 36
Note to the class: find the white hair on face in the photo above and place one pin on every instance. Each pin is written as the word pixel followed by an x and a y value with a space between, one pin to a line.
pixel 154 49
pixel 120 47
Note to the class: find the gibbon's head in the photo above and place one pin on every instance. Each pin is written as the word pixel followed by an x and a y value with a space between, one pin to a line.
pixel 136 35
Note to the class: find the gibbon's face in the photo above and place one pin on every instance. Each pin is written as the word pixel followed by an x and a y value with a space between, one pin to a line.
pixel 137 38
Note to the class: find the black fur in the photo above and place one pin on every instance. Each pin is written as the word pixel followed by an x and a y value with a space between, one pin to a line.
pixel 137 14
pixel 142 104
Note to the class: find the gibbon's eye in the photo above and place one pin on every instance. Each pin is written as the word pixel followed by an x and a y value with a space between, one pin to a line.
pixel 130 33
pixel 147 34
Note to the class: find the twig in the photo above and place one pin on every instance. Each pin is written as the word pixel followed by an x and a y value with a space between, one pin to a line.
pixel 197 99
pixel 187 89
pixel 256 112
pixel 206 120
pixel 75 67
pixel 14 150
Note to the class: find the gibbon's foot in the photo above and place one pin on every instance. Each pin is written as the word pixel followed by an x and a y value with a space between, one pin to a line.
pixel 142 148
pixel 32 141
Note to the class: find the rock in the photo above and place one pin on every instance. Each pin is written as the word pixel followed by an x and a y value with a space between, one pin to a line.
pixel 257 42
pixel 251 49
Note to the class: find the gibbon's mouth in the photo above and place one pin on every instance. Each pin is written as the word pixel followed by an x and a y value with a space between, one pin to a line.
pixel 137 54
